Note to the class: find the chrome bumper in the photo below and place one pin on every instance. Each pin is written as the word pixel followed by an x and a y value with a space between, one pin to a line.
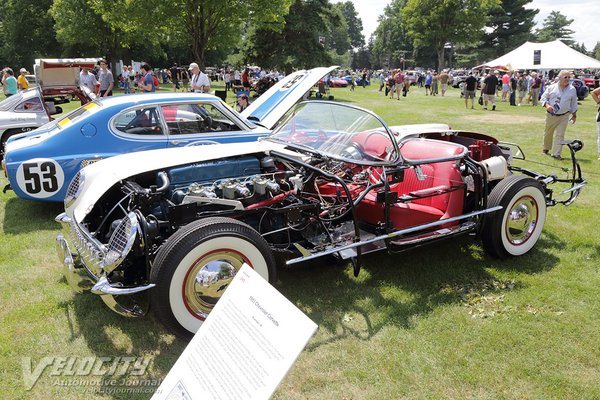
pixel 82 271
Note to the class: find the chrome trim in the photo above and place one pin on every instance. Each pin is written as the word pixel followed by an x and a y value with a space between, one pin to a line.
pixel 393 234
pixel 103 286
pixel 91 252
pixel 131 310
pixel 63 219
pixel 76 276
pixel 522 221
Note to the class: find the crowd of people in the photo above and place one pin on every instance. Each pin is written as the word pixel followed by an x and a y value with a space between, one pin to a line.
pixel 552 90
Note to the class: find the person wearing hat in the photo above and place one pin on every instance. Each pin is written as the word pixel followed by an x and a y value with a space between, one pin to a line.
pixel 22 80
pixel 200 81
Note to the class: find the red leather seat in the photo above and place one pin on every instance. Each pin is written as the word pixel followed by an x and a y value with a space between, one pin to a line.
pixel 437 176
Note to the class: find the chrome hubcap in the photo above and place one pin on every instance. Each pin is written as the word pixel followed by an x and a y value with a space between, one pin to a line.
pixel 522 220
pixel 207 280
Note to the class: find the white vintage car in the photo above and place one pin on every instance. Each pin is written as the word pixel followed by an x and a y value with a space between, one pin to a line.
pixel 166 230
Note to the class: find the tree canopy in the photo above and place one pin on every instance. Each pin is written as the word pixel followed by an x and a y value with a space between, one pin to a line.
pixel 438 22
pixel 302 43
pixel 510 25
pixel 556 26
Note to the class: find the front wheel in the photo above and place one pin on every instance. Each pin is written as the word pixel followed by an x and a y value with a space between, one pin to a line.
pixel 195 265
pixel 515 229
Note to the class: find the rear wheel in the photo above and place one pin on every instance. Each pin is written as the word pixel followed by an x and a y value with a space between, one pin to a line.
pixel 194 267
pixel 515 229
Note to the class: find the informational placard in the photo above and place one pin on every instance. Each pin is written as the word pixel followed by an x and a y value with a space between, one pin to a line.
pixel 244 348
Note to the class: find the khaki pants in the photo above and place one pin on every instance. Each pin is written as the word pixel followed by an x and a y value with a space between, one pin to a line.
pixel 556 125
pixel 535 94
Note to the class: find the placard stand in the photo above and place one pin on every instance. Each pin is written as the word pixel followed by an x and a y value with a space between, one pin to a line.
pixel 244 348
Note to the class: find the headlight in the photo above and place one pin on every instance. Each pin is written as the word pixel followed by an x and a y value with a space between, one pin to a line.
pixel 121 242
pixel 75 188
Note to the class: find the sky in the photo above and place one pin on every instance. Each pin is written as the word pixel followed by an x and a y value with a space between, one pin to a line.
pixel 585 14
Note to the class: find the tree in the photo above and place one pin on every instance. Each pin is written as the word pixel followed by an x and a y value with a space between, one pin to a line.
pixel 353 22
pixel 297 45
pixel 596 51
pixel 391 41
pixel 556 27
pixel 26 32
pixel 510 25
pixel 437 22
pixel 580 48
pixel 214 24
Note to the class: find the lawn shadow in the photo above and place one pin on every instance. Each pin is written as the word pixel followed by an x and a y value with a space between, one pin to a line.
pixel 392 290
pixel 108 334
pixel 23 216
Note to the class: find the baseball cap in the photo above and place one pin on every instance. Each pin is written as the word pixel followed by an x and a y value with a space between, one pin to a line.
pixel 22 70
pixel 193 65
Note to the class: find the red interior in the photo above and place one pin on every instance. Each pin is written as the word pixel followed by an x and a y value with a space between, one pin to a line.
pixel 439 176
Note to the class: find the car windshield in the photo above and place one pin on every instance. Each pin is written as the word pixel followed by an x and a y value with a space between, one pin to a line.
pixel 338 131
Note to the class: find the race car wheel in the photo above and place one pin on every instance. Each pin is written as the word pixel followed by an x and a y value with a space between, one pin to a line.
pixel 194 267
pixel 515 229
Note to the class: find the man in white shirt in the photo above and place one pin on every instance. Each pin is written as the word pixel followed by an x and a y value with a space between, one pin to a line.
pixel 200 81
pixel 87 79
pixel 560 102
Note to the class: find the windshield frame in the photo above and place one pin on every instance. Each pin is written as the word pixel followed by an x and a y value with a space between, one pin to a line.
pixel 308 149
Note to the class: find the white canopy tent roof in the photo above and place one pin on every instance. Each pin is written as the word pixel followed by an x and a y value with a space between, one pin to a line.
pixel 548 55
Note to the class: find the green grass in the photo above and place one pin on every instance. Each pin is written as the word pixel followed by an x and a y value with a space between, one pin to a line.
pixel 441 321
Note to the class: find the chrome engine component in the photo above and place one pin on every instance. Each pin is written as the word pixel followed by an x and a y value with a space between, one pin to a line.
pixel 232 189
pixel 297 183
pixel 202 191
pixel 496 167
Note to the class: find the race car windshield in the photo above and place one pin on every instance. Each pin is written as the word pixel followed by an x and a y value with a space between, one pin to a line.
pixel 338 131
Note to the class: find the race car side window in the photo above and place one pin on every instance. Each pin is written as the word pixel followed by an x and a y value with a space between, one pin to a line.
pixel 144 121
pixel 31 105
pixel 189 119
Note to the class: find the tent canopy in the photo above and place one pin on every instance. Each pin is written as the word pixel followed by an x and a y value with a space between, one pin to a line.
pixel 548 55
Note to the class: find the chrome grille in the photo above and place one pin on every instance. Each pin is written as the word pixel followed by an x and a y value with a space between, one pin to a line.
pixel 120 237
pixel 90 251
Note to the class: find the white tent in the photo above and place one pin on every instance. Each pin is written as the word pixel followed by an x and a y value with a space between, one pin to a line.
pixel 549 55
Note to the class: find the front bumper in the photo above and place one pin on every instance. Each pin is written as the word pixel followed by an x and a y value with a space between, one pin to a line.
pixel 82 259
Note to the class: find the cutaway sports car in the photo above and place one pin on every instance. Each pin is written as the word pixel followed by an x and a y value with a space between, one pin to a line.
pixel 168 229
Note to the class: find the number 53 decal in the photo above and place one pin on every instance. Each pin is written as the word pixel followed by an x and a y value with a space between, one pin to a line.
pixel 40 177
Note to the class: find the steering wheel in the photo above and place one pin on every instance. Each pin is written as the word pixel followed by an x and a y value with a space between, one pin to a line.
pixel 208 122
pixel 355 151
pixel 376 157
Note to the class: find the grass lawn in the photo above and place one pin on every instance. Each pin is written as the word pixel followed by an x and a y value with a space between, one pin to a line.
pixel 441 321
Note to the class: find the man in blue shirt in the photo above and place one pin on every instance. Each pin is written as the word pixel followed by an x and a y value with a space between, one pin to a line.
pixel 147 83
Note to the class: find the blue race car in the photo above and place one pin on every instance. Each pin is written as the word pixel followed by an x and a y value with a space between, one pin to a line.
pixel 41 163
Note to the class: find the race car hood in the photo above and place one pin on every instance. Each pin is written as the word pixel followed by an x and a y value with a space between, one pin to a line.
pixel 279 99
pixel 102 175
